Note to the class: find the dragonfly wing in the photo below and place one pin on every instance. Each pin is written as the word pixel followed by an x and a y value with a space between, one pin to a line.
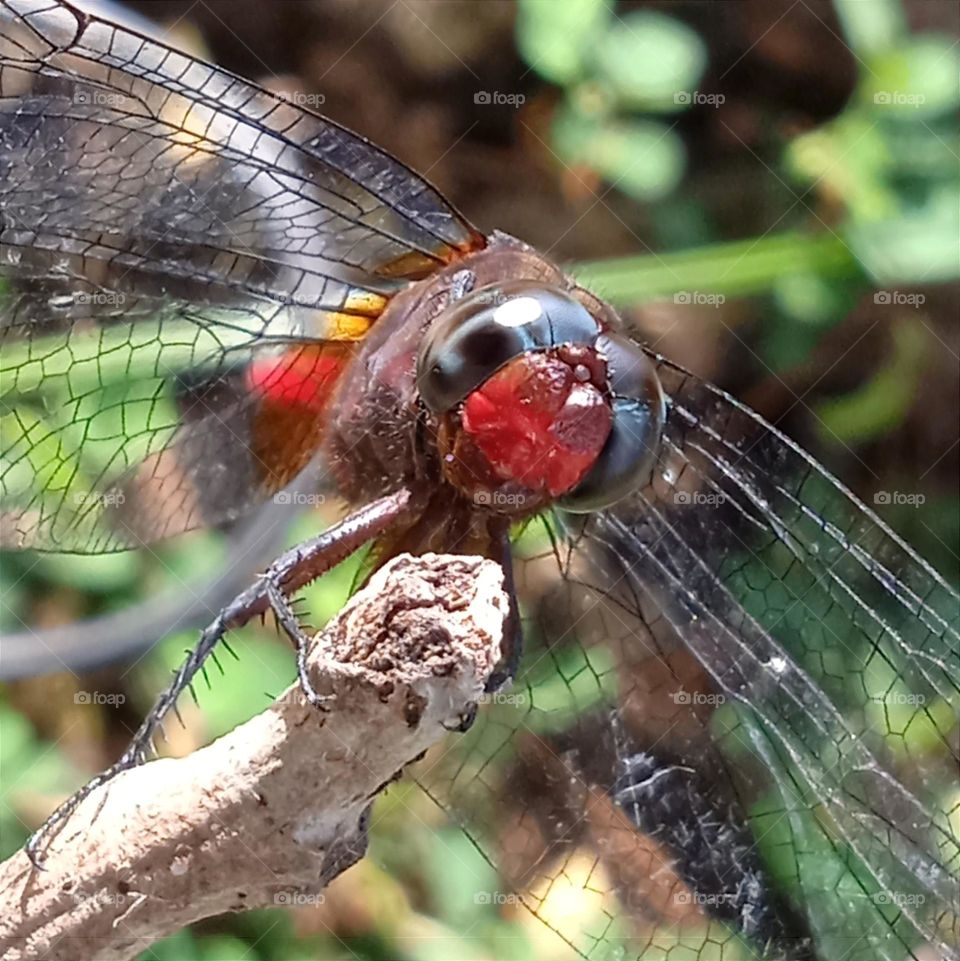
pixel 165 222
pixel 738 716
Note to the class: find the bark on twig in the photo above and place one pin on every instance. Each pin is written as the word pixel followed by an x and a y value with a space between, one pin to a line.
pixel 277 808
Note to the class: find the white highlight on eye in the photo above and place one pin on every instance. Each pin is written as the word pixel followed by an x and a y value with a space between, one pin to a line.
pixel 517 312
pixel 581 396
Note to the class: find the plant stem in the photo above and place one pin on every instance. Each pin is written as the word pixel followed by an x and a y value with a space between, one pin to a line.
pixel 737 269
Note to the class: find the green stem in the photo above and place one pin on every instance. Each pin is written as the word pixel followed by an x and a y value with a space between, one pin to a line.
pixel 740 268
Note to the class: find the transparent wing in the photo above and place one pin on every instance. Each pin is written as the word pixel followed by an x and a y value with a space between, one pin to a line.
pixel 736 732
pixel 163 220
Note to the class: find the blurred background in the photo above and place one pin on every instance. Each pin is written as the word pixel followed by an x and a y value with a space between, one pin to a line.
pixel 768 189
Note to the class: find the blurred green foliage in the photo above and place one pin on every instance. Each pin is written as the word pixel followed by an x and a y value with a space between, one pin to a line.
pixel 890 156
pixel 611 67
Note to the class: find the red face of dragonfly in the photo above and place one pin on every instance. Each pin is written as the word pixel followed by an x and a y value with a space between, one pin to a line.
pixel 207 291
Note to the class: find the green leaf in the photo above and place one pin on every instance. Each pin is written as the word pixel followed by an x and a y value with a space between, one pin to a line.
pixel 29 766
pixel 17 740
pixel 915 80
pixel 184 559
pixel 814 300
pixel 554 37
pixel 925 151
pixel 180 947
pixel 463 885
pixel 923 246
pixel 849 158
pixel 16 595
pixel 869 27
pixel 643 158
pixel 651 62
pixel 223 948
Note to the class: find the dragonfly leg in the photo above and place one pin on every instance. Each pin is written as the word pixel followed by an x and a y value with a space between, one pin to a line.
pixel 287 574
pixel 287 620
pixel 513 629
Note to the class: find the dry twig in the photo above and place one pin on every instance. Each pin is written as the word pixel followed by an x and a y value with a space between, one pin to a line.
pixel 279 806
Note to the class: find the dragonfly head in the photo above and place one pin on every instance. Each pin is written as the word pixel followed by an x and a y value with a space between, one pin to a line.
pixel 539 400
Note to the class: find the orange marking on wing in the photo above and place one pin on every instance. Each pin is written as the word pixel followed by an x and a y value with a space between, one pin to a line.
pixel 365 302
pixel 346 326
pixel 353 322
pixel 415 266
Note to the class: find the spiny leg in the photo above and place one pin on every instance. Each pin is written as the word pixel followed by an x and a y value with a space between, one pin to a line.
pixel 290 625
pixel 288 573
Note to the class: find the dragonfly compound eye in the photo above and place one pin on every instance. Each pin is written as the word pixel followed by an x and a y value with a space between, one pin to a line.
pixel 538 401
pixel 491 326
pixel 630 452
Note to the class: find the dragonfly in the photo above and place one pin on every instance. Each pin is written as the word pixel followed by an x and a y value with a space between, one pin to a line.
pixel 727 712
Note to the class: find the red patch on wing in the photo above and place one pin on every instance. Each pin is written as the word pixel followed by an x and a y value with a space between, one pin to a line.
pixel 302 377
pixel 539 421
